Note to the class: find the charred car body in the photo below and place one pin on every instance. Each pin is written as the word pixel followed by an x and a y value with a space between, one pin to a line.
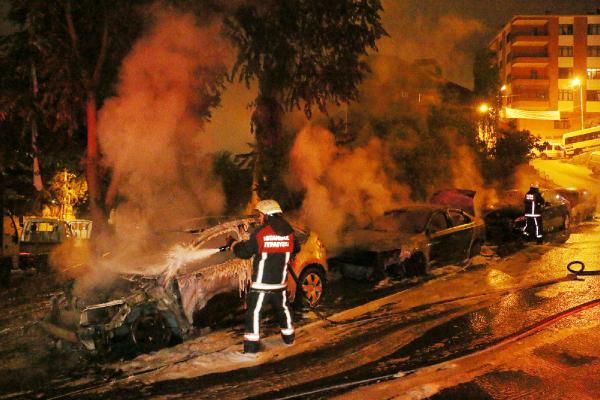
pixel 409 241
pixel 146 312
pixel 505 219
pixel 583 203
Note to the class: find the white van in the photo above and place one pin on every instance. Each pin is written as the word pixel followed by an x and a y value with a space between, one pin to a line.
pixel 549 151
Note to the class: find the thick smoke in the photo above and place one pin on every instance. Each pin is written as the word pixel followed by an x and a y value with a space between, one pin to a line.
pixel 448 38
pixel 151 132
pixel 342 186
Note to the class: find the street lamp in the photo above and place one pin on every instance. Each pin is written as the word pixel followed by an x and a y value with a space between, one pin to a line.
pixel 577 82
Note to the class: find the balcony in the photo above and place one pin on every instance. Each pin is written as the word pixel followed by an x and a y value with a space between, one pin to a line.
pixel 528 81
pixel 530 38
pixel 530 60
pixel 530 104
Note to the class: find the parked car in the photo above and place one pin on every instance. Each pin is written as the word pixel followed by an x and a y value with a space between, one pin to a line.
pixel 548 151
pixel 40 236
pixel 504 219
pixel 583 203
pixel 409 241
pixel 594 162
pixel 144 312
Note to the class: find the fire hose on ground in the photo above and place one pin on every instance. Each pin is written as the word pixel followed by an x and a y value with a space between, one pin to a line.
pixel 528 331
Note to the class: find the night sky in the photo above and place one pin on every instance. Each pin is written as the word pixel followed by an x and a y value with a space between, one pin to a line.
pixel 452 30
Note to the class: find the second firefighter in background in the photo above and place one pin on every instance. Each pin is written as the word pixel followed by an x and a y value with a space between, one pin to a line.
pixel 273 246
pixel 533 213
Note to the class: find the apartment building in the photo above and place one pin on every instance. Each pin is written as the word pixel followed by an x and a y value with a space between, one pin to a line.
pixel 550 66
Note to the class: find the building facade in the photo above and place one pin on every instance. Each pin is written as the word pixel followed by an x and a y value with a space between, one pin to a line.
pixel 550 63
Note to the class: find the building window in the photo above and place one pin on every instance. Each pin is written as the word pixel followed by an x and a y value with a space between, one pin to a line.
pixel 565 51
pixel 594 29
pixel 565 95
pixel 592 95
pixel 562 124
pixel 593 51
pixel 565 73
pixel 565 29
pixel 533 74
pixel 593 73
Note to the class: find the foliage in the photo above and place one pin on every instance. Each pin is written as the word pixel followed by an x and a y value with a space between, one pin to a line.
pixel 302 53
pixel 486 75
pixel 236 178
pixel 74 47
pixel 511 150
pixel 305 50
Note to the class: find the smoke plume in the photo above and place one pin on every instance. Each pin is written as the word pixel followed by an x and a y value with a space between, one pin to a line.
pixel 151 132
pixel 342 186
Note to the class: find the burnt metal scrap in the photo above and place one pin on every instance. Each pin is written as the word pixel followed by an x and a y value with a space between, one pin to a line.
pixel 153 311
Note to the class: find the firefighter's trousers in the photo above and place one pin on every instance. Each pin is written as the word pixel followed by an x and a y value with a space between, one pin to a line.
pixel 256 301
pixel 534 226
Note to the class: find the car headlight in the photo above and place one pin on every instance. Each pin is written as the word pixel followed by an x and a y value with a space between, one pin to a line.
pixel 100 314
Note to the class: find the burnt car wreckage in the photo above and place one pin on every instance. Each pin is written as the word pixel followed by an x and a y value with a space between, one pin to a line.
pixel 409 241
pixel 504 219
pixel 147 312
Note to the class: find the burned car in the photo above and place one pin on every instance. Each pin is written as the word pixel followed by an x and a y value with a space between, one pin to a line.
pixel 409 241
pixel 504 220
pixel 583 203
pixel 146 312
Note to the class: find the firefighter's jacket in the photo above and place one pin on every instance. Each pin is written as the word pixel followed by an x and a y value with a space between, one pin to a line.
pixel 273 246
pixel 533 203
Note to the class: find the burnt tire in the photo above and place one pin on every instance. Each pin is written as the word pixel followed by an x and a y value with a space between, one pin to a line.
pixel 416 265
pixel 311 288
pixel 150 331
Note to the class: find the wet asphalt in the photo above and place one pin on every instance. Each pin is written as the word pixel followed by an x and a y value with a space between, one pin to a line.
pixel 466 329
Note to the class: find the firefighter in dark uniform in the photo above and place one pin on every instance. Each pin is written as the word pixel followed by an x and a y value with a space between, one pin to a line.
pixel 533 213
pixel 273 247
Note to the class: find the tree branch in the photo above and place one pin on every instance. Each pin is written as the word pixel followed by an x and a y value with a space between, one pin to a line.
pixel 102 55
pixel 74 38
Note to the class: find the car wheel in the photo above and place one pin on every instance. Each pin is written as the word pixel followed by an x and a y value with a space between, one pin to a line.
pixel 415 265
pixel 150 332
pixel 312 286
pixel 544 156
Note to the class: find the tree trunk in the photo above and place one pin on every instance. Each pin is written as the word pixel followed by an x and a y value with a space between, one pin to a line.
pixel 92 162
pixel 267 126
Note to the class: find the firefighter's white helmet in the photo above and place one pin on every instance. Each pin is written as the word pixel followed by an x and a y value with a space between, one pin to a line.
pixel 268 207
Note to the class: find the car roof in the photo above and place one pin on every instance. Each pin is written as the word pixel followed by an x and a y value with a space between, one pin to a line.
pixel 423 207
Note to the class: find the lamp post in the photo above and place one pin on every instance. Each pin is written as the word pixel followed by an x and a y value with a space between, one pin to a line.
pixel 577 82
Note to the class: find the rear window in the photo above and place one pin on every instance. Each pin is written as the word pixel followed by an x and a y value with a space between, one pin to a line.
pixel 41 232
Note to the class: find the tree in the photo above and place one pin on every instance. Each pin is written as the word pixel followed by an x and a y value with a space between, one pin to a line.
pixel 486 75
pixel 72 49
pixel 302 53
